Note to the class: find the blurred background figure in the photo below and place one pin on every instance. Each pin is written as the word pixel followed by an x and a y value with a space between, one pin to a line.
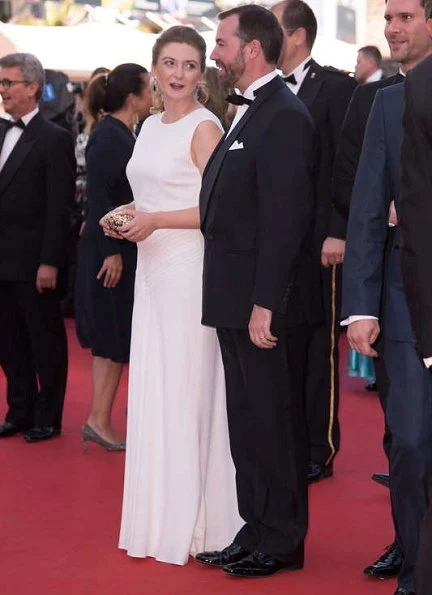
pixel 106 267
pixel 217 92
pixel 368 68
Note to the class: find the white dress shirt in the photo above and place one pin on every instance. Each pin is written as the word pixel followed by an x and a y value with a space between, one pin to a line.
pixel 300 73
pixel 376 76
pixel 13 135
pixel 249 94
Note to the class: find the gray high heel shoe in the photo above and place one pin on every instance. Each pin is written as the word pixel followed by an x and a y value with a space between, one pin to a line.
pixel 88 434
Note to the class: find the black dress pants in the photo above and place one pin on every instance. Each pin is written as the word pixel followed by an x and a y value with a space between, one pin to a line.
pixel 33 354
pixel 423 582
pixel 268 438
pixel 322 384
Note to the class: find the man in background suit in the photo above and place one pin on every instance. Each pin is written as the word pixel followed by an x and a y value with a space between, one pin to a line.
pixel 415 222
pixel 37 184
pixel 326 93
pixel 409 43
pixel 368 67
pixel 259 286
pixel 408 410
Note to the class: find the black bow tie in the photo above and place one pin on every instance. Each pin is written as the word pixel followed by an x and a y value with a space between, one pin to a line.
pixel 238 99
pixel 292 79
pixel 8 124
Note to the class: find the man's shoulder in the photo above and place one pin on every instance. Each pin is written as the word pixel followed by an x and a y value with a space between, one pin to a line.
pixel 334 76
pixel 421 71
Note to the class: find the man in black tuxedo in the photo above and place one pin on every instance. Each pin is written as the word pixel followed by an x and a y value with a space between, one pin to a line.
pixel 37 184
pixel 259 290
pixel 326 93
pixel 409 43
pixel 415 223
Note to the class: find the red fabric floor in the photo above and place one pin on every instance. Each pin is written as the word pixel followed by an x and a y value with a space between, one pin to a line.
pixel 60 509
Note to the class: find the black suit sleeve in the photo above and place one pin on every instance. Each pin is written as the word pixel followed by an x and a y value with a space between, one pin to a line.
pixel 60 170
pixel 415 215
pixel 285 163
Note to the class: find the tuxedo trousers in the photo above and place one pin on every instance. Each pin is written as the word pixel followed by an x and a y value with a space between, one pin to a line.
pixel 322 384
pixel 409 419
pixel 268 438
pixel 423 573
pixel 33 354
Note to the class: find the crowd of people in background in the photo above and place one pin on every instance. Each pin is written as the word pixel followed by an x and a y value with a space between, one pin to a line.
pixel 220 226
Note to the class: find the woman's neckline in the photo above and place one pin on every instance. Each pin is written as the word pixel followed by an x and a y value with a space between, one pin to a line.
pixel 182 117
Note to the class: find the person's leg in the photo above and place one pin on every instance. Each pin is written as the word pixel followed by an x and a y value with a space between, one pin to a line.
pixel 106 376
pixel 423 573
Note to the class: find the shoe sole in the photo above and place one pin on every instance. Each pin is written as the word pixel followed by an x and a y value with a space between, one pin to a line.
pixel 290 568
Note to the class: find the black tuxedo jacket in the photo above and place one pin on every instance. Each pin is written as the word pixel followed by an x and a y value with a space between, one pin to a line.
pixel 351 142
pixel 326 93
pixel 37 185
pixel 416 202
pixel 257 204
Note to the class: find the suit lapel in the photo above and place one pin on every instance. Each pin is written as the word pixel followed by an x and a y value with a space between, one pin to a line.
pixel 311 85
pixel 20 151
pixel 214 165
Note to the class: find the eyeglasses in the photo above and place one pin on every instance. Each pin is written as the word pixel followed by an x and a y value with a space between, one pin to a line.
pixel 7 83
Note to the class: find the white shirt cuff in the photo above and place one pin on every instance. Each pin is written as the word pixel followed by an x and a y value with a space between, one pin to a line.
pixel 428 362
pixel 352 319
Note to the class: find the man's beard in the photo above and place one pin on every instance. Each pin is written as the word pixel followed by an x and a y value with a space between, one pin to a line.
pixel 232 72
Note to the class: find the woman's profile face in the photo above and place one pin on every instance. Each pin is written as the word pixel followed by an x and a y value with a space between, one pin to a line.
pixel 178 71
pixel 143 100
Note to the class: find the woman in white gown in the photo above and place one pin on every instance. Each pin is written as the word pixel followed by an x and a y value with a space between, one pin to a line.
pixel 179 493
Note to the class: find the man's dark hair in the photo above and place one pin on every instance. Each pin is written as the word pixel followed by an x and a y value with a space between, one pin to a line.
pixel 372 52
pixel 428 9
pixel 296 15
pixel 256 22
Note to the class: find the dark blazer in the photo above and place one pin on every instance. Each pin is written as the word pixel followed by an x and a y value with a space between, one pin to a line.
pixel 326 93
pixel 351 141
pixel 416 202
pixel 377 184
pixel 37 185
pixel 257 207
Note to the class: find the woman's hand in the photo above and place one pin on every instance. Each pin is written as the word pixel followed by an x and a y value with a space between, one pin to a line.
pixel 112 269
pixel 142 225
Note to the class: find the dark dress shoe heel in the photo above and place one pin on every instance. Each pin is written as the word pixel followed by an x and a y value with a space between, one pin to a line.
pixel 371 386
pixel 38 434
pixel 9 429
pixel 260 565
pixel 382 478
pixel 318 471
pixel 231 553
pixel 402 591
pixel 388 565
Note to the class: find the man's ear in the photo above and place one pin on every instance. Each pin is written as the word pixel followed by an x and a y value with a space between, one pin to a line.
pixel 429 27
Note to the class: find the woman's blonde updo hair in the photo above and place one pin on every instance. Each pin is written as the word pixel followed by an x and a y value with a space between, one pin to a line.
pixel 179 34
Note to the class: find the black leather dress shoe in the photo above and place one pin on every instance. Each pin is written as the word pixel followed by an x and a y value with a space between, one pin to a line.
pixel 402 591
pixel 371 386
pixel 38 434
pixel 318 471
pixel 10 429
pixel 388 565
pixel 259 565
pixel 382 478
pixel 231 553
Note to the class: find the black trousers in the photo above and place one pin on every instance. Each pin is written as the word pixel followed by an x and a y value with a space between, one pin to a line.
pixel 322 384
pixel 33 354
pixel 423 579
pixel 409 419
pixel 268 438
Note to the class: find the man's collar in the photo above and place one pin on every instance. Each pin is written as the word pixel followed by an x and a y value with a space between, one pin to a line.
pixel 26 119
pixel 249 93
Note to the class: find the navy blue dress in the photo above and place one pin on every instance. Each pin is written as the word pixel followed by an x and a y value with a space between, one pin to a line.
pixel 104 315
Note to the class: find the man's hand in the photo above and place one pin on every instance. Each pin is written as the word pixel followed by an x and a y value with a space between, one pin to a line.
pixel 332 252
pixel 112 269
pixel 259 328
pixel 46 277
pixel 362 334
pixel 392 216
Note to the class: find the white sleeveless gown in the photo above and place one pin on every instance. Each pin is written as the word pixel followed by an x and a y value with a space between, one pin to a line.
pixel 179 493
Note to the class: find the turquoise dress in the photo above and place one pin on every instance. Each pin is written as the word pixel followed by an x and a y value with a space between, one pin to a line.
pixel 360 366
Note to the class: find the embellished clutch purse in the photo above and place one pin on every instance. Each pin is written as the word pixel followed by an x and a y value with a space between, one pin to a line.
pixel 116 220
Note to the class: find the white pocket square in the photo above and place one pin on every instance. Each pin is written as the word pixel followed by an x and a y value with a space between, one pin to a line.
pixel 236 145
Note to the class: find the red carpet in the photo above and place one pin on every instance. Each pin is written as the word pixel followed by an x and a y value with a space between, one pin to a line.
pixel 60 508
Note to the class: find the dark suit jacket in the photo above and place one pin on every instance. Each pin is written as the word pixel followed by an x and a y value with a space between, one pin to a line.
pixel 351 141
pixel 257 208
pixel 37 186
pixel 377 183
pixel 326 93
pixel 416 202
